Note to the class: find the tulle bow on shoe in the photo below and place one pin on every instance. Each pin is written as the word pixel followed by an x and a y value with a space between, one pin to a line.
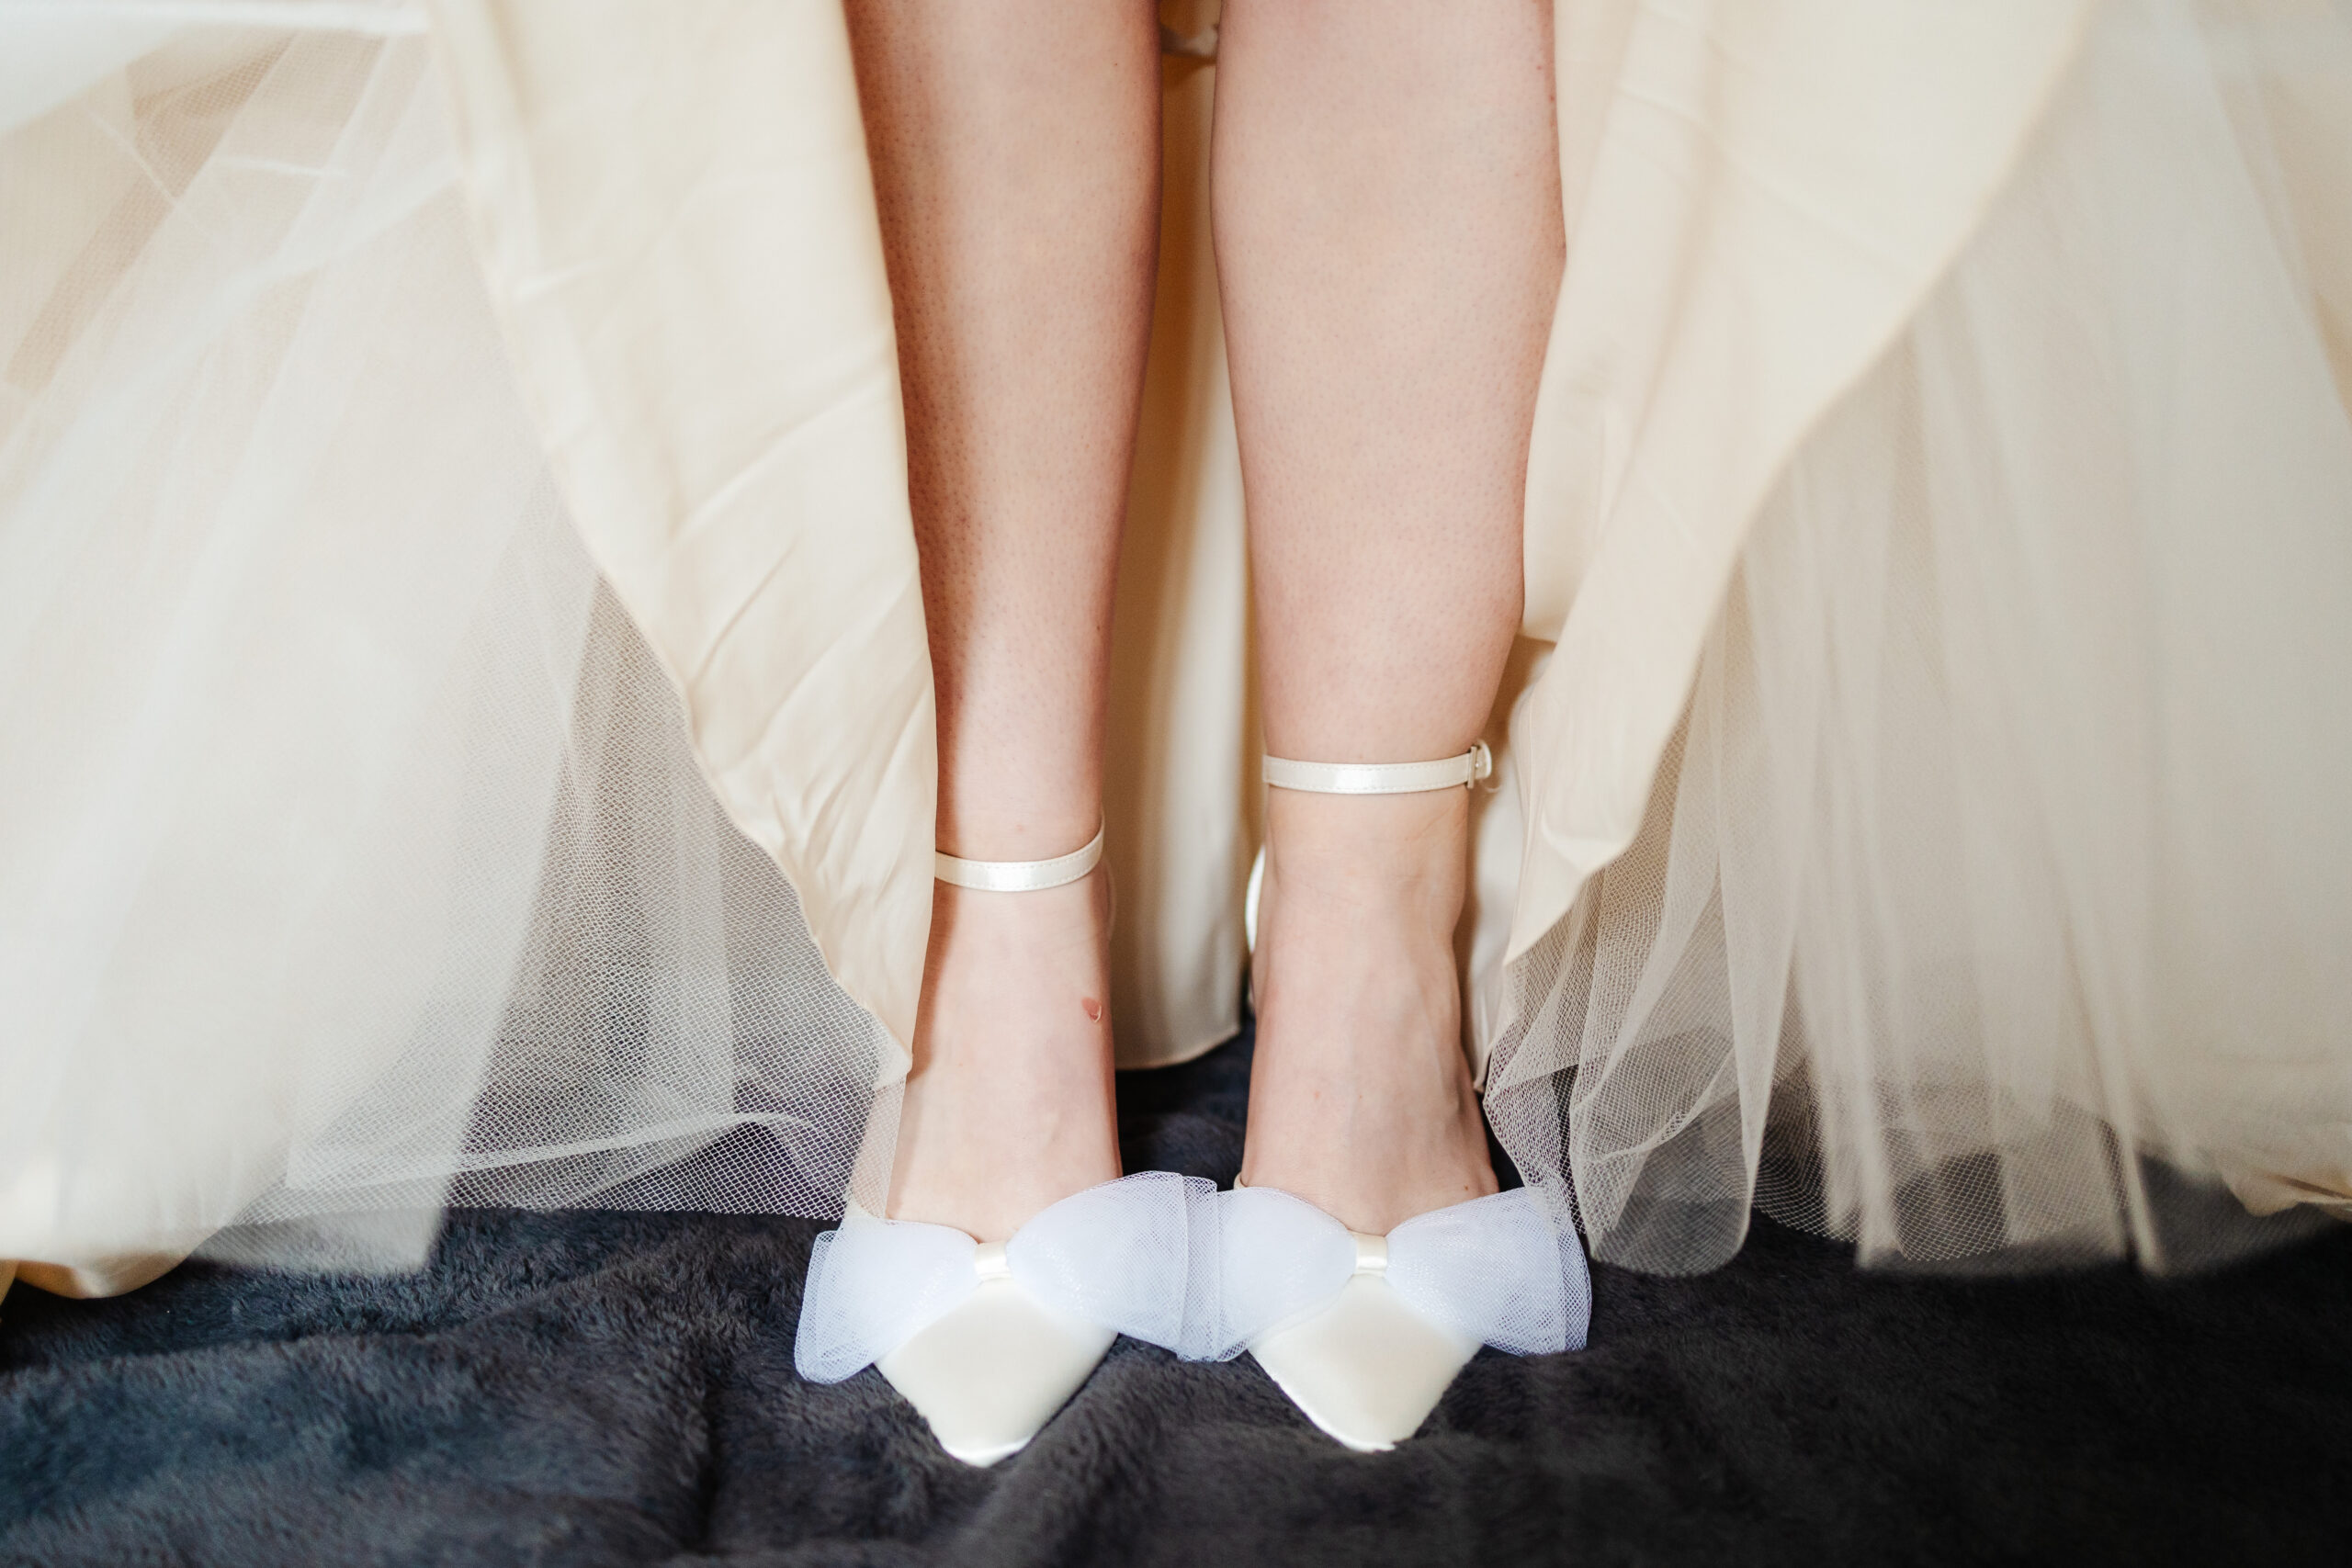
pixel 1118 1256
pixel 1495 1270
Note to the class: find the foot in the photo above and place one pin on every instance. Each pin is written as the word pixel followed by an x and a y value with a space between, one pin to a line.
pixel 1360 1095
pixel 1009 1107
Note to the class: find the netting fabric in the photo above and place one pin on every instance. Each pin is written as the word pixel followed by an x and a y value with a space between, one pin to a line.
pixel 355 860
pixel 1496 1271
pixel 1988 909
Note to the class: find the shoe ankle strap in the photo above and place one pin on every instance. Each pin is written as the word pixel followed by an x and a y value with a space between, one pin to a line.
pixel 1381 778
pixel 1018 876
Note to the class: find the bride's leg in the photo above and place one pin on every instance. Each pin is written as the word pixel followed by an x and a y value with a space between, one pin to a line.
pixel 1389 246
pixel 1015 151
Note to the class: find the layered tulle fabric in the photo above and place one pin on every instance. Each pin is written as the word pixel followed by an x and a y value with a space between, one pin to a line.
pixel 1498 1270
pixel 1989 901
pixel 355 858
pixel 464 724
pixel 1172 1261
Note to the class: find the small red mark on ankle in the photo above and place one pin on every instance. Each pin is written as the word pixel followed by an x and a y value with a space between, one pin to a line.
pixel 1094 1008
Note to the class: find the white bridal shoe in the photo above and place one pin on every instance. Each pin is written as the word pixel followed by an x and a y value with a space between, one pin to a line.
pixel 987 1339
pixel 1363 1333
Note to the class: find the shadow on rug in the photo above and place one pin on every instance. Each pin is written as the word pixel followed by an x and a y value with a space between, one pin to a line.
pixel 604 1388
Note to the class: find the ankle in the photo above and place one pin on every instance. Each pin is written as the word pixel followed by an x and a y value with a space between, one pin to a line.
pixel 1405 856
pixel 1035 960
pixel 1361 1099
pixel 1357 912
pixel 1016 803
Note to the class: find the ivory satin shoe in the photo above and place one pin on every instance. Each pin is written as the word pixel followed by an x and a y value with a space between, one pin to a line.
pixel 988 1340
pixel 991 1371
pixel 1364 1332
pixel 1367 1368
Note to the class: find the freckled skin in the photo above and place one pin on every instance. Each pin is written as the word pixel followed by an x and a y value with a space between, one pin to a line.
pixel 1388 238
pixel 1018 183
pixel 1390 245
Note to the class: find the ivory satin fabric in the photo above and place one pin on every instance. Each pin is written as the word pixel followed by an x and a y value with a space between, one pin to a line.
pixel 468 731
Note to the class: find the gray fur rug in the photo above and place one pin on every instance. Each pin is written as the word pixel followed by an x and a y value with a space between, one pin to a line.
pixel 610 1389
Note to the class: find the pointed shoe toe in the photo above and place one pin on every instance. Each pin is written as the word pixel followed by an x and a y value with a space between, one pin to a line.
pixel 993 1371
pixel 1367 1368
pixel 1365 1332
pixel 987 1339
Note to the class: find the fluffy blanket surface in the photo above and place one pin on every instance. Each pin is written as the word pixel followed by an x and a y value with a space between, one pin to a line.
pixel 599 1388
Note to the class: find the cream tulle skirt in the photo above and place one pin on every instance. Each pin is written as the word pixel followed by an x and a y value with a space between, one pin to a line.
pixel 466 737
